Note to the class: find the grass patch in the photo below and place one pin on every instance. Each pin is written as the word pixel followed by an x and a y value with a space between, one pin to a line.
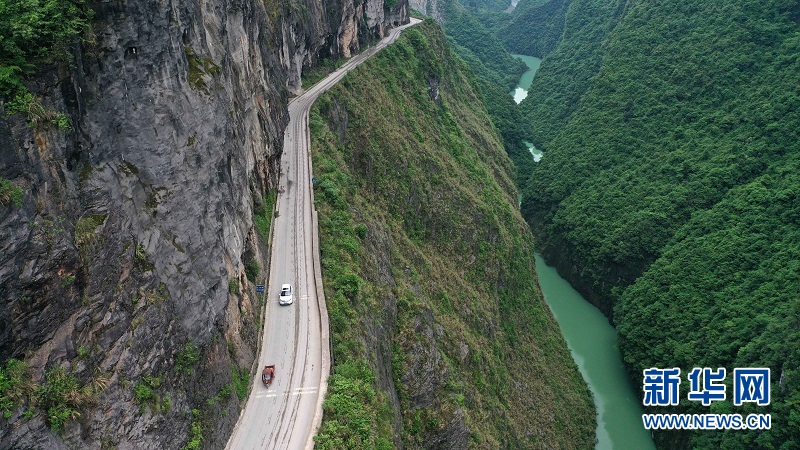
pixel 144 392
pixel 15 384
pixel 233 286
pixel 166 404
pixel 199 68
pixel 187 358
pixel 252 269
pixel 224 392
pixel 86 228
pixel 241 382
pixel 263 217
pixel 141 259
pixel 196 430
pixel 39 117
pixel 67 281
pixel 62 397
pixel 10 193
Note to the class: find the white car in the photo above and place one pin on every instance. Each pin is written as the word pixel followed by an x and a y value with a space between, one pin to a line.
pixel 286 297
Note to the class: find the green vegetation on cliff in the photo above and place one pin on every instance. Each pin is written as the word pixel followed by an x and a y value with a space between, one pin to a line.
pixel 569 67
pixel 32 31
pixel 59 397
pixel 486 5
pixel 10 193
pixel 496 74
pixel 534 28
pixel 670 191
pixel 440 333
pixel 480 48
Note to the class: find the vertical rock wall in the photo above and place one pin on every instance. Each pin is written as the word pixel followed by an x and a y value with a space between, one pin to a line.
pixel 433 8
pixel 131 243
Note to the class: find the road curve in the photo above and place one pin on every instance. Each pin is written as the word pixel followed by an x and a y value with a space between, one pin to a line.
pixel 295 337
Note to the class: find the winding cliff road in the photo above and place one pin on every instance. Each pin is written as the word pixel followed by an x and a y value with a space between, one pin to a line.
pixel 295 338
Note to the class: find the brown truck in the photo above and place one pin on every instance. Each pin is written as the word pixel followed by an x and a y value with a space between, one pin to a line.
pixel 268 375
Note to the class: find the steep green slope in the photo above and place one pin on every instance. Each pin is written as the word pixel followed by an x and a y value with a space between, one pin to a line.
pixel 556 91
pixel 729 288
pixel 535 26
pixel 669 193
pixel 483 51
pixel 486 5
pixel 497 73
pixel 441 336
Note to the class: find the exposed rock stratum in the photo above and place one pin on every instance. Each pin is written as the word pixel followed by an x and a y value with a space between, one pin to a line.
pixel 125 264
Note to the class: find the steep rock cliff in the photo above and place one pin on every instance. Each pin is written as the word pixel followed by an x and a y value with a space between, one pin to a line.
pixel 125 264
pixel 433 8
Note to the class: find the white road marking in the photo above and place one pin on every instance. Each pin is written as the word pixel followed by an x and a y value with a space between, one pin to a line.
pixel 292 338
pixel 297 391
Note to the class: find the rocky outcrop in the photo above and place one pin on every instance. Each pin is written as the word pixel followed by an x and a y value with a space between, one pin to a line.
pixel 432 8
pixel 126 261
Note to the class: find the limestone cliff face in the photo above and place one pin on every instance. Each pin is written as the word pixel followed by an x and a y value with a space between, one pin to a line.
pixel 433 8
pixel 126 261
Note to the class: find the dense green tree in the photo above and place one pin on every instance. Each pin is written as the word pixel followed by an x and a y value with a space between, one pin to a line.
pixel 534 28
pixel 669 190
pixel 486 5
pixel 33 31
pixel 482 50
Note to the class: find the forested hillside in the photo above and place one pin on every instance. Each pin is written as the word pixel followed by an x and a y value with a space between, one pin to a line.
pixel 441 336
pixel 670 193
pixel 479 47
pixel 569 67
pixel 534 27
pixel 497 73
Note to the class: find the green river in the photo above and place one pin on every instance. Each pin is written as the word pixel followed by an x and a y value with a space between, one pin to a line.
pixel 522 91
pixel 592 341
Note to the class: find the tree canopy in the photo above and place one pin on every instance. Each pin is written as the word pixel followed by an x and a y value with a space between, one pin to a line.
pixel 669 186
pixel 34 31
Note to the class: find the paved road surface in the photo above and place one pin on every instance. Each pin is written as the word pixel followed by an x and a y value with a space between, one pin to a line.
pixel 295 339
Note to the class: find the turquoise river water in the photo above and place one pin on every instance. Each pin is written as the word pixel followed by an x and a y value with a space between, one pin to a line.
pixel 521 91
pixel 592 341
